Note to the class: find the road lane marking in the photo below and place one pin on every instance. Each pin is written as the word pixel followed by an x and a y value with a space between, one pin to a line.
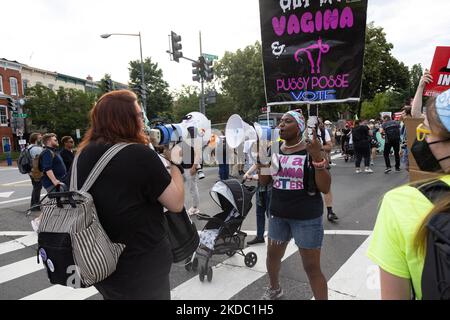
pixel 14 183
pixel 6 194
pixel 18 200
pixel 15 200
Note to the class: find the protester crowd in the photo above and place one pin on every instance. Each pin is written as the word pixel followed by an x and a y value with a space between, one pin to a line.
pixel 131 212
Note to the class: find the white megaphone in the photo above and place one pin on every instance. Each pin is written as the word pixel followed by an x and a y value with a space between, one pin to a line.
pixel 168 133
pixel 237 131
pixel 196 125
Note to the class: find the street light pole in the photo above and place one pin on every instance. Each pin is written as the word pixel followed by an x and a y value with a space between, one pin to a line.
pixel 144 96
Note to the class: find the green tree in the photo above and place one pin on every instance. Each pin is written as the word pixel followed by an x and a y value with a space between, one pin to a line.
pixel 241 78
pixel 415 76
pixel 102 86
pixel 382 71
pixel 186 101
pixel 61 112
pixel 159 100
pixel 389 101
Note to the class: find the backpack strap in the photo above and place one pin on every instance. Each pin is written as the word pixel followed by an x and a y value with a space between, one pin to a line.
pixel 433 190
pixel 98 168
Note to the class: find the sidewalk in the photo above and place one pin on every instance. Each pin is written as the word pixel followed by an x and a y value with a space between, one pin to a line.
pixel 4 164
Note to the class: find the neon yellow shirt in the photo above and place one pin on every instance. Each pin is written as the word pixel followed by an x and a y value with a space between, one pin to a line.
pixel 392 245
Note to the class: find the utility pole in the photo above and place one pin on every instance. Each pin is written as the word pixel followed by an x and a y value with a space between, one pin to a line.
pixel 202 82
pixel 144 96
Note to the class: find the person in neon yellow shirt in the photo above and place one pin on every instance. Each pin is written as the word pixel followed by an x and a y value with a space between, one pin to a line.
pixel 396 243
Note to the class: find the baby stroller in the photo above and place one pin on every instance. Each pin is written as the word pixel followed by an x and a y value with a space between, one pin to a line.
pixel 349 151
pixel 222 233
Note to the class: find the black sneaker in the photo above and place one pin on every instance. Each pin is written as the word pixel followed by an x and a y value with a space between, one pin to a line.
pixel 332 217
pixel 398 169
pixel 388 170
pixel 256 240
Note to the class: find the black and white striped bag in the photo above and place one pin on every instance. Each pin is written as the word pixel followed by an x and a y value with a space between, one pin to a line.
pixel 72 244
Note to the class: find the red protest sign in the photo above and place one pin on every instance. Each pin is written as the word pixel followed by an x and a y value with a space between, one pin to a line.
pixel 440 70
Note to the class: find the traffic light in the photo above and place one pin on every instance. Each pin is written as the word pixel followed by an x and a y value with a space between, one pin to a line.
pixel 196 71
pixel 11 104
pixel 202 66
pixel 176 46
pixel 109 85
pixel 209 71
pixel 142 92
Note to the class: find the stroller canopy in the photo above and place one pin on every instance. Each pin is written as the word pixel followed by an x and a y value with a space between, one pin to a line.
pixel 236 194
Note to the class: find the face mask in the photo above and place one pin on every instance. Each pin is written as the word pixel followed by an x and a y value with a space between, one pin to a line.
pixel 424 157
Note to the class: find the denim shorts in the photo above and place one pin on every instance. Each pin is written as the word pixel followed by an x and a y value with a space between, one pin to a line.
pixel 308 234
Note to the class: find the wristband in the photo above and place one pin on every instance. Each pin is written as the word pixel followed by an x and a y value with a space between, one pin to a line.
pixel 320 165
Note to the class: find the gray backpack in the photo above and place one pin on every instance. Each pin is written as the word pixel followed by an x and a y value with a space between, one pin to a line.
pixel 72 244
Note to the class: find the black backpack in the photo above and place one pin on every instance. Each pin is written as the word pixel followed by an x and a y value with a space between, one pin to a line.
pixel 25 162
pixel 393 133
pixel 436 271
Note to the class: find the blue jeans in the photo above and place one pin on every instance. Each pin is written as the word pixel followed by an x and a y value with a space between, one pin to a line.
pixel 224 171
pixel 262 210
pixel 308 234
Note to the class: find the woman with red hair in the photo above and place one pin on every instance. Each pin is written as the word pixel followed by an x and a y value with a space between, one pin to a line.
pixel 129 197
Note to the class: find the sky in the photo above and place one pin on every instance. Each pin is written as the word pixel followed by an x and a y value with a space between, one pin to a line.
pixel 64 35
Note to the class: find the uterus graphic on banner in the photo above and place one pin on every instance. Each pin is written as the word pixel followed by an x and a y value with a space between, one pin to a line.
pixel 320 47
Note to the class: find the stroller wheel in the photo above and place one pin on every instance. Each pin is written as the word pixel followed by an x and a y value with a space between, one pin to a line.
pixel 230 253
pixel 250 259
pixel 210 274
pixel 195 264
pixel 201 274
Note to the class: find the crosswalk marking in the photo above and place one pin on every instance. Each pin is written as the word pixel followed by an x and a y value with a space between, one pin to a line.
pixel 15 233
pixel 18 244
pixel 229 277
pixel 241 277
pixel 358 278
pixel 19 269
pixel 62 293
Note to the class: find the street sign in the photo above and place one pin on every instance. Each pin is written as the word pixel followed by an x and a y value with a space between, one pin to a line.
pixel 20 115
pixel 22 142
pixel 78 133
pixel 210 57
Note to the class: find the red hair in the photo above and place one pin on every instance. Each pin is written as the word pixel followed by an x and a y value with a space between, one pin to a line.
pixel 114 119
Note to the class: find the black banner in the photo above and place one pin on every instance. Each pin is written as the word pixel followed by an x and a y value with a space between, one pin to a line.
pixel 313 50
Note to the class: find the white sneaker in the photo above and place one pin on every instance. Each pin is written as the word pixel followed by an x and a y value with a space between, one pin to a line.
pixel 368 170
pixel 358 170
pixel 271 294
pixel 333 164
pixel 35 224
pixel 372 163
pixel 192 211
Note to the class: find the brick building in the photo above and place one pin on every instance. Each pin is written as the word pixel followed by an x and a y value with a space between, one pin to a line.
pixel 10 86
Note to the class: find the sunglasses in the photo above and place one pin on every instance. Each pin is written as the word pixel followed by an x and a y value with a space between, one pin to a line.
pixel 422 132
